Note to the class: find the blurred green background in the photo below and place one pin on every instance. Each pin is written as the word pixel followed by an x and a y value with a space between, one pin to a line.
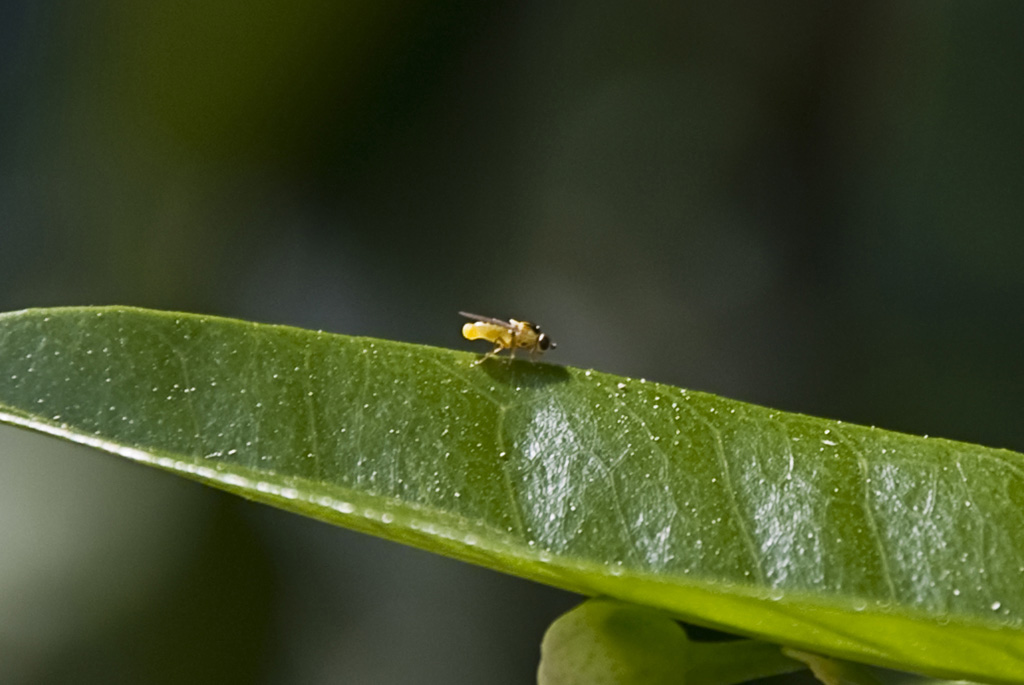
pixel 812 206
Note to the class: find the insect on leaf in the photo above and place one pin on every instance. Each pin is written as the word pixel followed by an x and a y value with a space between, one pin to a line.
pixel 833 538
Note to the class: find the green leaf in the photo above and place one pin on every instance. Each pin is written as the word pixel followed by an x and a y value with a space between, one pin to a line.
pixel 833 538
pixel 831 671
pixel 605 642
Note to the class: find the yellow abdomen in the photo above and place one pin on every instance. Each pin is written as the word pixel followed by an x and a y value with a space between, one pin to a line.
pixel 487 331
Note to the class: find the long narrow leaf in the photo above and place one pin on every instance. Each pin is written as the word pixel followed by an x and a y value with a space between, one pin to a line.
pixel 834 538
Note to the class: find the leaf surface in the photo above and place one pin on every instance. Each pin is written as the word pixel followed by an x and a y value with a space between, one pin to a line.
pixel 830 537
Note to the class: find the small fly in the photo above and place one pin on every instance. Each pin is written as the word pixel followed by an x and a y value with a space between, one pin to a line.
pixel 506 335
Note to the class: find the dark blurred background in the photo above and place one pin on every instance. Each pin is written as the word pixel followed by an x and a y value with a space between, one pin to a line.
pixel 812 206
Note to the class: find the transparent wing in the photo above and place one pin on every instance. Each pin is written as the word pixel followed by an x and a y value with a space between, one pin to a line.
pixel 487 319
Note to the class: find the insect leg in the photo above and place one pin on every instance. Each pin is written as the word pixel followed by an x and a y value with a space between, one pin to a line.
pixel 497 348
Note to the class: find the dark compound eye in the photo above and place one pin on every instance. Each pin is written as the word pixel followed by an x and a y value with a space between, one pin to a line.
pixel 544 342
